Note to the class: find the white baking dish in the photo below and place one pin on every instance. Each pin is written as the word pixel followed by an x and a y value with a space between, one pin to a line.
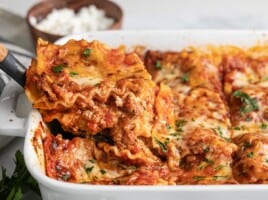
pixel 162 40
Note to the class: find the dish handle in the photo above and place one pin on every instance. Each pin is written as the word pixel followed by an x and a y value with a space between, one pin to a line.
pixel 14 110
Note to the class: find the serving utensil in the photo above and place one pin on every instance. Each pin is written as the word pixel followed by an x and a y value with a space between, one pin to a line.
pixel 10 65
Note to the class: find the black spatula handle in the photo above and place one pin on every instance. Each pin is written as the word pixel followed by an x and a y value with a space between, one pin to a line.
pixel 10 65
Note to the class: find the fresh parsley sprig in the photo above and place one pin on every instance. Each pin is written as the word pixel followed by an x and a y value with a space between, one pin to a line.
pixel 21 182
pixel 250 104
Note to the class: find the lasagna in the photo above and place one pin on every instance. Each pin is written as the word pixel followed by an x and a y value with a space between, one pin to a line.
pixel 196 116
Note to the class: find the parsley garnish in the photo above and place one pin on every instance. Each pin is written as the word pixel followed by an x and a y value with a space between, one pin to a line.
pixel 211 162
pixel 250 155
pixel 73 73
pixel 246 145
pixel 198 178
pixel 89 169
pixel 263 126
pixel 216 177
pixel 168 127
pixel 19 183
pixel 219 132
pixel 237 128
pixel 206 150
pixel 162 145
pixel 58 68
pixel 102 171
pixel 86 52
pixel 66 176
pixel 158 65
pixel 185 78
pixel 250 104
pixel 180 124
pixel 219 167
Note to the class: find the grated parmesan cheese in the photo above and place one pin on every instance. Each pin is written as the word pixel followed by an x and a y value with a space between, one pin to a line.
pixel 66 21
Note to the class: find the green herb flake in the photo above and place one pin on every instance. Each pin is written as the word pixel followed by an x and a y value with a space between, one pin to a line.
pixel 86 52
pixel 102 171
pixel 168 127
pixel 162 145
pixel 91 160
pixel 198 178
pixel 211 162
pixel 237 128
pixel 218 177
pixel 219 132
pixel 266 160
pixel 250 155
pixel 206 150
pixel 179 125
pixel 158 65
pixel 66 176
pixel 265 78
pixel 263 126
pixel 73 73
pixel 219 167
pixel 250 104
pixel 58 69
pixel 185 78
pixel 247 145
pixel 89 169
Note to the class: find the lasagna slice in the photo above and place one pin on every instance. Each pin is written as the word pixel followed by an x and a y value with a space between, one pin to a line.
pixel 244 67
pixel 251 160
pixel 201 133
pixel 249 110
pixel 185 70
pixel 89 87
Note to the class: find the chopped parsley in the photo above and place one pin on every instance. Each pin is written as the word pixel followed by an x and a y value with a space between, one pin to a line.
pixel 162 145
pixel 237 128
pixel 266 160
pixel 91 160
pixel 250 155
pixel 206 150
pixel 219 167
pixel 158 65
pixel 218 177
pixel 265 78
pixel 168 127
pixel 58 68
pixel 180 124
pixel 89 169
pixel 247 145
pixel 185 78
pixel 211 162
pixel 263 126
pixel 198 178
pixel 66 176
pixel 219 132
pixel 73 73
pixel 86 52
pixel 102 171
pixel 250 104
